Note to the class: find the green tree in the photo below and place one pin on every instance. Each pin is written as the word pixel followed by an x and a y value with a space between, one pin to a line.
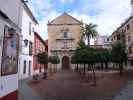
pixel 102 56
pixel 88 31
pixel 85 55
pixel 92 61
pixel 73 61
pixel 80 53
pixel 42 58
pixel 118 55
pixel 55 60
pixel 107 57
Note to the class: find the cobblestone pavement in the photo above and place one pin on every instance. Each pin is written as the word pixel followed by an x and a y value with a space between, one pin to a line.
pixel 67 85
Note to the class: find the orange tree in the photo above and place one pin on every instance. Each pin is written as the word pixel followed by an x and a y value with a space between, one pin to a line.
pixel 55 60
pixel 118 55
pixel 42 58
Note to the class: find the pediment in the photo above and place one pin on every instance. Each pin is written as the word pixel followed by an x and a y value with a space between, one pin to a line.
pixel 65 19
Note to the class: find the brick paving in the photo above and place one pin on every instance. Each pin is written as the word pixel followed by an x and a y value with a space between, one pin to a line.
pixel 68 85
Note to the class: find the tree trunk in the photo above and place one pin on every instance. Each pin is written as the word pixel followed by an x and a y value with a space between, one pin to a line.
pixel 76 67
pixel 88 67
pixel 102 66
pixel 88 40
pixel 45 73
pixel 121 68
pixel 56 68
pixel 80 69
pixel 94 76
pixel 84 70
pixel 106 65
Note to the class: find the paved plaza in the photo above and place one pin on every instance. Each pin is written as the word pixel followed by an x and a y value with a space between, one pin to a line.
pixel 69 85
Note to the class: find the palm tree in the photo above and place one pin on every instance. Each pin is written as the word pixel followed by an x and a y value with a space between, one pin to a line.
pixel 88 31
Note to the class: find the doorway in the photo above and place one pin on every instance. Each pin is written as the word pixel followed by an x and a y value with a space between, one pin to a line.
pixel 65 62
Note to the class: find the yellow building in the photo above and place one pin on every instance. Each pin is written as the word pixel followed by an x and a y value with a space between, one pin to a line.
pixel 63 35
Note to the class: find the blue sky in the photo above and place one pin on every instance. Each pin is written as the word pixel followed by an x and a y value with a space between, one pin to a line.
pixel 107 14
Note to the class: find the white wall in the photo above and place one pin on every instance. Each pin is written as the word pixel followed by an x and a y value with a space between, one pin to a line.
pixel 1 44
pixel 12 10
pixel 8 83
pixel 132 8
pixel 24 52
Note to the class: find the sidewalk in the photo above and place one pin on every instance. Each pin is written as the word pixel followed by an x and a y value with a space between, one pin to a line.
pixel 126 93
pixel 27 93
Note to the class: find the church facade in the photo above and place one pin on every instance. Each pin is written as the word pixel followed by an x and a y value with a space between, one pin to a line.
pixel 64 35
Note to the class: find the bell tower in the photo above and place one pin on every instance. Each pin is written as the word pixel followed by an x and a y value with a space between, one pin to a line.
pixel 131 7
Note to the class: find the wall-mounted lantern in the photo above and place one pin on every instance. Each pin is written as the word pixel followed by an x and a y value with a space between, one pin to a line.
pixel 26 42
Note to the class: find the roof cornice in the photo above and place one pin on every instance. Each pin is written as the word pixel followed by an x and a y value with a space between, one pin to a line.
pixel 29 12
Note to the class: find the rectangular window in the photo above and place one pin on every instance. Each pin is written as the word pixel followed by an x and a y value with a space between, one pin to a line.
pixel 130 50
pixel 128 27
pixel 24 69
pixel 33 30
pixel 30 48
pixel 29 28
pixel 29 67
pixel 118 37
pixel 129 38
pixel 65 34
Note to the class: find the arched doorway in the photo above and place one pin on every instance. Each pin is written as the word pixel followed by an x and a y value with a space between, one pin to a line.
pixel 65 62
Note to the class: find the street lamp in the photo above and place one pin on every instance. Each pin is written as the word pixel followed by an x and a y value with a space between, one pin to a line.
pixel 26 42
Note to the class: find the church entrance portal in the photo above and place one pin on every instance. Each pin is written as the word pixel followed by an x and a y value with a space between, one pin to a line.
pixel 65 62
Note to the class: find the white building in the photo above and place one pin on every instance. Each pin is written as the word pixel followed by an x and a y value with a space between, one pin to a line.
pixel 27 38
pixel 132 7
pixel 10 29
pixel 103 41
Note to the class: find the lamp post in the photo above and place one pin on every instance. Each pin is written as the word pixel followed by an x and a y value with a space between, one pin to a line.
pixel 26 42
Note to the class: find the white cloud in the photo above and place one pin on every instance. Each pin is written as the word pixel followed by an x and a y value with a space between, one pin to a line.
pixel 66 1
pixel 110 13
pixel 42 27
pixel 110 16
pixel 43 10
